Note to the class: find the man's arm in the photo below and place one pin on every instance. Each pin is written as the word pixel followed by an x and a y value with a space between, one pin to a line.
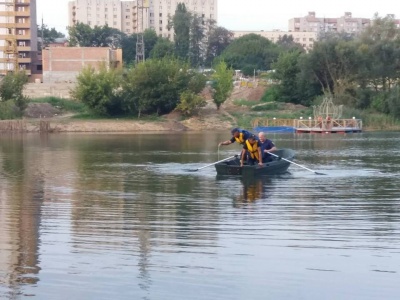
pixel 225 143
pixel 228 142
pixel 260 155
pixel 242 156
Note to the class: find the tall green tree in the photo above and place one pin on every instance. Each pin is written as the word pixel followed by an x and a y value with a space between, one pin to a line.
pixel 197 36
pixel 223 83
pixel 181 22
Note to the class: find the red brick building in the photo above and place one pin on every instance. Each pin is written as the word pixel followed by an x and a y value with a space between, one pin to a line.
pixel 63 64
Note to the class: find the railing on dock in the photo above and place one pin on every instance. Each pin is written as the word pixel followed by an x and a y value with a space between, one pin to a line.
pixel 336 124
pixel 311 124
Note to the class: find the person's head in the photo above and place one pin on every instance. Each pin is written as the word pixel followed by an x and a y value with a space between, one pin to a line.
pixel 235 132
pixel 262 137
pixel 252 139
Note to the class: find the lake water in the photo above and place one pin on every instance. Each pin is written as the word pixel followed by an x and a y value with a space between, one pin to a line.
pixel 118 217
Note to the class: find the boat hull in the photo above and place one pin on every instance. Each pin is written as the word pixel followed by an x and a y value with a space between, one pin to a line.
pixel 275 167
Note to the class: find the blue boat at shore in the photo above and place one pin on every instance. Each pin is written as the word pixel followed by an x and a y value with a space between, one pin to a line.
pixel 276 129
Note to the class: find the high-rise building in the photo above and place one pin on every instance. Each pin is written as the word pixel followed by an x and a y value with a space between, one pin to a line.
pixel 135 16
pixel 18 35
pixel 122 15
pixel 345 23
pixel 161 10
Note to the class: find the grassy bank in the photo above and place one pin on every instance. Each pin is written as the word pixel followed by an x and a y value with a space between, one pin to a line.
pixel 65 105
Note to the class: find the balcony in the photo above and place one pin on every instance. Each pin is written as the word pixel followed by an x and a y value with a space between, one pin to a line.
pixel 24 60
pixel 24 48
pixel 22 3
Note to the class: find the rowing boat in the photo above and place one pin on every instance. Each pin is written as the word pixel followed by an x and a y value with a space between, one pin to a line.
pixel 274 167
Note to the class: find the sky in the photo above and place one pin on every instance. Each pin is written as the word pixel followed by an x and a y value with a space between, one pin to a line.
pixel 251 14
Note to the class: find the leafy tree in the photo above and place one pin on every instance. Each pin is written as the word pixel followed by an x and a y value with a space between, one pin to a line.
pixel 11 89
pixel 223 84
pixel 218 39
pixel 155 85
pixel 181 22
pixel 99 90
pixel 190 102
pixel 252 51
pixel 83 35
pixel 196 46
pixel 164 47
pixel 49 35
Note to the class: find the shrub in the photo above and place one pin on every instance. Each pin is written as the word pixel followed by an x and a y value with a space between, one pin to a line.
pixel 190 103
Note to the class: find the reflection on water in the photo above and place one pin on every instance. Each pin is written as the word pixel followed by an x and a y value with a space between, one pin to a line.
pixel 118 217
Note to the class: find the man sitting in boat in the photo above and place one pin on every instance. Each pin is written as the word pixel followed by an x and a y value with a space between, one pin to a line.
pixel 252 150
pixel 266 147
pixel 238 135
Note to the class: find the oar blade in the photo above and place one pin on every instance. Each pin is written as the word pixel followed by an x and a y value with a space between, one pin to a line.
pixel 318 173
pixel 191 170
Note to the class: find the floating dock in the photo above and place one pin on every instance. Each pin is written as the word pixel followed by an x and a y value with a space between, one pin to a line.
pixel 308 125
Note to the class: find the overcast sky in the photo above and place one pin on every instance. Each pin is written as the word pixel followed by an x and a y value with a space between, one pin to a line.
pixel 251 14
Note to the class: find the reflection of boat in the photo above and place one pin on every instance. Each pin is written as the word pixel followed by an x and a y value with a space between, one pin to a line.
pixel 274 167
pixel 252 188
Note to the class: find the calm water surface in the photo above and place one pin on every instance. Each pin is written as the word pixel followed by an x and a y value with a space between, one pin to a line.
pixel 118 217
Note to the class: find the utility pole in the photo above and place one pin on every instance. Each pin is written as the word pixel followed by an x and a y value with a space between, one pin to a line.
pixel 140 55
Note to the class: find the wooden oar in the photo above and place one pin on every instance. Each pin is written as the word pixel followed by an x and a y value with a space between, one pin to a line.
pixel 195 170
pixel 296 164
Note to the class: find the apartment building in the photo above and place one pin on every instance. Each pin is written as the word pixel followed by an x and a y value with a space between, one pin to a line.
pixel 18 36
pixel 135 16
pixel 312 23
pixel 161 10
pixel 304 38
pixel 122 15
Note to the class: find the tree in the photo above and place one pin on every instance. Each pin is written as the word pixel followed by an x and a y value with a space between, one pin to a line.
pixel 251 51
pixel 196 42
pixel 223 84
pixel 164 47
pixel 99 90
pixel 48 35
pixel 11 90
pixel 155 85
pixel 218 39
pixel 190 102
pixel 83 35
pixel 181 23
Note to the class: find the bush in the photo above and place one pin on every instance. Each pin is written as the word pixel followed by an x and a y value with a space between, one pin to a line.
pixel 190 103
pixel 11 88
pixel 8 110
pixel 100 90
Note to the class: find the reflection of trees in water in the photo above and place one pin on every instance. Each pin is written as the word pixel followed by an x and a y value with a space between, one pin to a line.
pixel 22 192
